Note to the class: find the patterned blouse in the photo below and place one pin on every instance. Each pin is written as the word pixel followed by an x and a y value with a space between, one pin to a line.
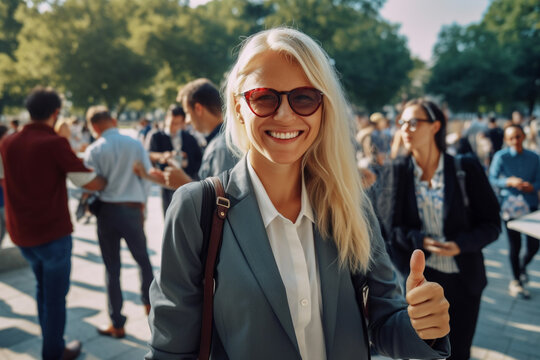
pixel 430 201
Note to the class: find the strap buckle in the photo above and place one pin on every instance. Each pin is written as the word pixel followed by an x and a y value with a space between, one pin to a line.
pixel 221 201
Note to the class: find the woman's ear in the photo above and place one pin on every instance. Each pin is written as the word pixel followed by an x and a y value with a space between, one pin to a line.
pixel 436 126
pixel 237 108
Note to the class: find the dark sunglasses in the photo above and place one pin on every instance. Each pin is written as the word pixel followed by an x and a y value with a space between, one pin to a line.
pixel 264 102
pixel 413 123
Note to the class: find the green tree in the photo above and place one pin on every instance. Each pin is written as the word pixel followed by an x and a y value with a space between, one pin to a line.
pixel 372 59
pixel 517 25
pixel 472 71
pixel 9 27
pixel 137 52
pixel 95 64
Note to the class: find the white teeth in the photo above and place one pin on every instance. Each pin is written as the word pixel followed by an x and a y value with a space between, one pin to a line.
pixel 284 135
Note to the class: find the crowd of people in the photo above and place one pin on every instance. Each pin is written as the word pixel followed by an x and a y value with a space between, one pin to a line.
pixel 406 209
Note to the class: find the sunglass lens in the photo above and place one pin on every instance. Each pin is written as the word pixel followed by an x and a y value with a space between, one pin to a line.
pixel 263 102
pixel 305 101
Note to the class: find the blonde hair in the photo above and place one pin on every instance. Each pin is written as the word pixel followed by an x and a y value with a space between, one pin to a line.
pixel 62 127
pixel 329 166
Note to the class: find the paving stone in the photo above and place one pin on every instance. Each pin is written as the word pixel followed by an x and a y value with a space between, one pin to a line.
pixel 508 328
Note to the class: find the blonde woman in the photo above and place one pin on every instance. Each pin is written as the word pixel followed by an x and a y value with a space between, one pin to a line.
pixel 298 227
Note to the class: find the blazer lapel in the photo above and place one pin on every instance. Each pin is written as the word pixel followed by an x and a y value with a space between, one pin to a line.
pixel 329 273
pixel 247 226
pixel 449 185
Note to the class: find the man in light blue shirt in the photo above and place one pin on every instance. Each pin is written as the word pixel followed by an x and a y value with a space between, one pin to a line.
pixel 121 209
pixel 516 172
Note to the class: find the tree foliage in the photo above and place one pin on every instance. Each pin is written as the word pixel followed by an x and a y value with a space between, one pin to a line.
pixel 137 52
pixel 493 65
pixel 471 69
pixel 517 25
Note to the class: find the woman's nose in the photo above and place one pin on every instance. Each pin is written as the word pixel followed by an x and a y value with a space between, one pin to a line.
pixel 284 110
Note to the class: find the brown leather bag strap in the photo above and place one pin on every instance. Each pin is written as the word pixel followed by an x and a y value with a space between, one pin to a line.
pixel 218 218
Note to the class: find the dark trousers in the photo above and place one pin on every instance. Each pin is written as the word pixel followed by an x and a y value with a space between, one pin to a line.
pixel 51 264
pixel 115 222
pixel 464 308
pixel 166 197
pixel 514 242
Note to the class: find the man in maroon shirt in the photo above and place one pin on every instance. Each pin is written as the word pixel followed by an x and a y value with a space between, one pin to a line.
pixel 34 165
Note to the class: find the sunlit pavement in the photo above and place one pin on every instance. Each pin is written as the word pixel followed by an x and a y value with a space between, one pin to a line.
pixel 508 328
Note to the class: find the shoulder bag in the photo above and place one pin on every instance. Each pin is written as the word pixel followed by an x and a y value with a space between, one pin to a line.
pixel 214 207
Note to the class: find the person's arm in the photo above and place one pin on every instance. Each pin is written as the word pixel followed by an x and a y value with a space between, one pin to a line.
pixel 153 175
pixel 96 184
pixel 496 176
pixel 75 169
pixel 175 177
pixel 535 182
pixel 161 157
pixel 484 214
pixel 390 326
pixel 176 294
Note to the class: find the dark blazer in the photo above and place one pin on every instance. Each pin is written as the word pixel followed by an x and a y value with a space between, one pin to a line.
pixel 161 142
pixel 251 313
pixel 471 229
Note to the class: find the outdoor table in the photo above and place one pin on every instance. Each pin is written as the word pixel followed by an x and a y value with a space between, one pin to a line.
pixel 528 224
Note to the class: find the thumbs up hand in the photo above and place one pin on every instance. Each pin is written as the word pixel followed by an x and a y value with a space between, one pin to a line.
pixel 428 308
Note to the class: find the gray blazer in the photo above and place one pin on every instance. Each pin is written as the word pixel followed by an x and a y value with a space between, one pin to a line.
pixel 251 313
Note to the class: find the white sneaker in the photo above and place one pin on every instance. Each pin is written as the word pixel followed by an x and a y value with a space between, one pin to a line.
pixel 516 289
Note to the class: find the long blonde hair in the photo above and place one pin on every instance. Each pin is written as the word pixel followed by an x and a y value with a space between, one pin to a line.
pixel 329 166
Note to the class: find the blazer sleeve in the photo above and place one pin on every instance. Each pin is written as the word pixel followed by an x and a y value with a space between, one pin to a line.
pixel 395 207
pixel 485 221
pixel 390 328
pixel 177 292
pixel 194 154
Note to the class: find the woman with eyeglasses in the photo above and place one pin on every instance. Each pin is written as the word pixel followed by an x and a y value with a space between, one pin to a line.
pixel 445 207
pixel 300 236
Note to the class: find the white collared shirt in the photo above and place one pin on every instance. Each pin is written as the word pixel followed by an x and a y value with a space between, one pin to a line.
pixel 293 247
pixel 430 202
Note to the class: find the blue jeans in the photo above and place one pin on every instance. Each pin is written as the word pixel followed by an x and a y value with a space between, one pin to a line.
pixel 51 264
pixel 2 224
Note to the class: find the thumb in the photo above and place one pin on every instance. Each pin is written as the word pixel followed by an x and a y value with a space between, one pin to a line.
pixel 416 276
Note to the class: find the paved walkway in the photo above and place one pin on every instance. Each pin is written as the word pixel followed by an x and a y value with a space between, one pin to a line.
pixel 508 328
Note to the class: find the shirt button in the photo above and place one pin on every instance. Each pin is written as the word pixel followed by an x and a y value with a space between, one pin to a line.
pixel 304 302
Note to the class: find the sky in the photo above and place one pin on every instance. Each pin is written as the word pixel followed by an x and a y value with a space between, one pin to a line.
pixel 421 20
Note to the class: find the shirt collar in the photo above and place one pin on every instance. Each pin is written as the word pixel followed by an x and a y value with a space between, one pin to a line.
pixel 109 132
pixel 435 180
pixel 213 134
pixel 268 210
pixel 36 125
pixel 513 152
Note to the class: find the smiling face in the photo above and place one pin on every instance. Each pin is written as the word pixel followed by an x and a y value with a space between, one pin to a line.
pixel 424 134
pixel 282 138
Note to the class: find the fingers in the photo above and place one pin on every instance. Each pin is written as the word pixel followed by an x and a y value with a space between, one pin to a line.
pixel 444 248
pixel 428 311
pixel 433 333
pixel 416 276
